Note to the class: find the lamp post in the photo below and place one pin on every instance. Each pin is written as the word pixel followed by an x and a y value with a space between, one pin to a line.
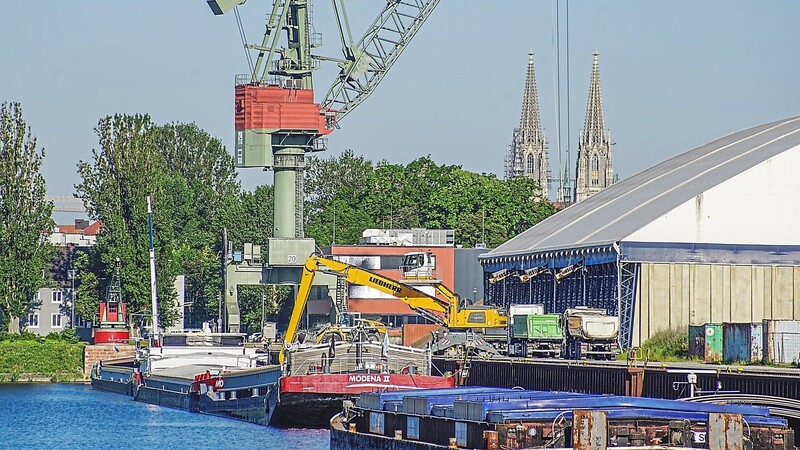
pixel 72 296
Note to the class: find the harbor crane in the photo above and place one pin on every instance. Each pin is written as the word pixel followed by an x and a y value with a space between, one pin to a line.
pixel 277 120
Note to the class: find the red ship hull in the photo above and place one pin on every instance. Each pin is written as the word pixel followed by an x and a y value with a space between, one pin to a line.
pixel 309 401
pixel 111 336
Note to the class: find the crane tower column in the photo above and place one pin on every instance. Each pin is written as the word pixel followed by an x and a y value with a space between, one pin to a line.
pixel 289 164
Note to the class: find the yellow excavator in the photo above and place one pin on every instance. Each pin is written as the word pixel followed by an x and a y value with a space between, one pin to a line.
pixel 464 326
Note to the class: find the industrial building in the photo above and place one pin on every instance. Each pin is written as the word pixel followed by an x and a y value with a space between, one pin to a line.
pixel 382 251
pixel 706 236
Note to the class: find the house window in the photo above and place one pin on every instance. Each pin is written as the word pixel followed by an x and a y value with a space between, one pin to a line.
pixel 55 320
pixel 79 322
pixel 57 296
pixel 33 320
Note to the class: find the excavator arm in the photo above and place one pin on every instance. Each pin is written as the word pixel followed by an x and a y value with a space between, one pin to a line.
pixel 428 306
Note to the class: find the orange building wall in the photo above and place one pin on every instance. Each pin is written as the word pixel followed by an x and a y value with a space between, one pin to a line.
pixel 445 268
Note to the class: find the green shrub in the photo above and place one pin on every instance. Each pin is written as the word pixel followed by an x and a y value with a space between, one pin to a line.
pixel 22 336
pixel 666 345
pixel 43 357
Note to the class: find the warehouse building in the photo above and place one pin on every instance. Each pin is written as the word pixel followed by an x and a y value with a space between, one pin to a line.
pixel 707 236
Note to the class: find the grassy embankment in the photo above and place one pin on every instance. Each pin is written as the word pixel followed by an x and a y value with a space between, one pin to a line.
pixel 663 346
pixel 57 358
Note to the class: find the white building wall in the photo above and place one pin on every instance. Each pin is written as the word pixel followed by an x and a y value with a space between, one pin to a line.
pixel 676 295
pixel 757 206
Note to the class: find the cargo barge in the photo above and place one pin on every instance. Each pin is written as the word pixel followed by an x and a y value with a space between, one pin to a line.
pixel 480 417
pixel 210 373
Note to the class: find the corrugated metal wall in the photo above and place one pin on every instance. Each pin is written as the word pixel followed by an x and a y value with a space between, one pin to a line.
pixel 594 286
pixel 678 295
pixel 468 276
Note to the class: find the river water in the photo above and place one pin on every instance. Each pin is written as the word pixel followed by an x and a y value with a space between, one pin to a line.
pixel 73 416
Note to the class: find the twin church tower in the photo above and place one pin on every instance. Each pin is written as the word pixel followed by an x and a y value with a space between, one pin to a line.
pixel 527 154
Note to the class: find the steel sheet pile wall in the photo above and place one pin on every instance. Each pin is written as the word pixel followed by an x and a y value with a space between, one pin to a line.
pixel 549 377
pixel 657 382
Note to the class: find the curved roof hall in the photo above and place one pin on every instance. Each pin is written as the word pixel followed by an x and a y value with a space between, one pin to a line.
pixel 617 211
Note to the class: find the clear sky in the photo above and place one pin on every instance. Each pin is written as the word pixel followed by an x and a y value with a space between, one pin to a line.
pixel 674 74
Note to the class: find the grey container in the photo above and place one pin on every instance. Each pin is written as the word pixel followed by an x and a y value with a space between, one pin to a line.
pixel 781 341
pixel 742 342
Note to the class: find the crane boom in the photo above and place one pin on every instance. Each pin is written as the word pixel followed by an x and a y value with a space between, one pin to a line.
pixel 366 64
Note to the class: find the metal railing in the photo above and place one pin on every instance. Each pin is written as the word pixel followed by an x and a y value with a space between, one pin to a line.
pixel 351 357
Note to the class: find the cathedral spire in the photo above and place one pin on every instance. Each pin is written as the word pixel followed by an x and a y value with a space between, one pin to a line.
pixel 595 170
pixel 594 130
pixel 527 154
pixel 530 124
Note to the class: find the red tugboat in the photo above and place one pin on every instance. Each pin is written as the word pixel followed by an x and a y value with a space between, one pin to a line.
pixel 112 327
pixel 349 359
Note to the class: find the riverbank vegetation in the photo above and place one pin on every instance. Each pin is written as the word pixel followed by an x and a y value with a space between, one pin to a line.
pixel 666 346
pixel 28 357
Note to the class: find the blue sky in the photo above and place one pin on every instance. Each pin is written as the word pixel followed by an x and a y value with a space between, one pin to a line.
pixel 674 75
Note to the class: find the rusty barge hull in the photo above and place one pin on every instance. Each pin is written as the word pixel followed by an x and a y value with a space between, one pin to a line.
pixel 516 419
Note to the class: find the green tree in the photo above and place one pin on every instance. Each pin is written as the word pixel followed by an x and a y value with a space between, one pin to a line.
pixel 88 287
pixel 254 217
pixel 335 188
pixel 24 217
pixel 192 181
pixel 479 207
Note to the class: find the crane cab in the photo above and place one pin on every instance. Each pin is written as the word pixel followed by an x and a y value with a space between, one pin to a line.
pixel 418 266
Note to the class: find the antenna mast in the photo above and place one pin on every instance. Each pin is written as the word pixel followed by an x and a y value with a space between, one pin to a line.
pixel 153 292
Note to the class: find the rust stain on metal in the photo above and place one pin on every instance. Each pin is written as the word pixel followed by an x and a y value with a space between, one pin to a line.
pixel 589 430
pixel 725 431
pixel 492 440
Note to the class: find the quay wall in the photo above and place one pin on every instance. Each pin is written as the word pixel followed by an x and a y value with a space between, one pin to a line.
pixel 94 353
pixel 659 380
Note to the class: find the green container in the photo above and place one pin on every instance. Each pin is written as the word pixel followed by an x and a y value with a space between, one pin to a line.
pixel 705 342
pixel 537 326
pixel 713 344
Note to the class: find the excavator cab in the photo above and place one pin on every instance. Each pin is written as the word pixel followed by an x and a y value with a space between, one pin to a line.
pixel 418 266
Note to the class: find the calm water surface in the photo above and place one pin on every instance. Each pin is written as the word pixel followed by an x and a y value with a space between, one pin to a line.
pixel 45 416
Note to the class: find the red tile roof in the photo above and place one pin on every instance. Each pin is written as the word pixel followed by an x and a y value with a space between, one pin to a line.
pixel 92 230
